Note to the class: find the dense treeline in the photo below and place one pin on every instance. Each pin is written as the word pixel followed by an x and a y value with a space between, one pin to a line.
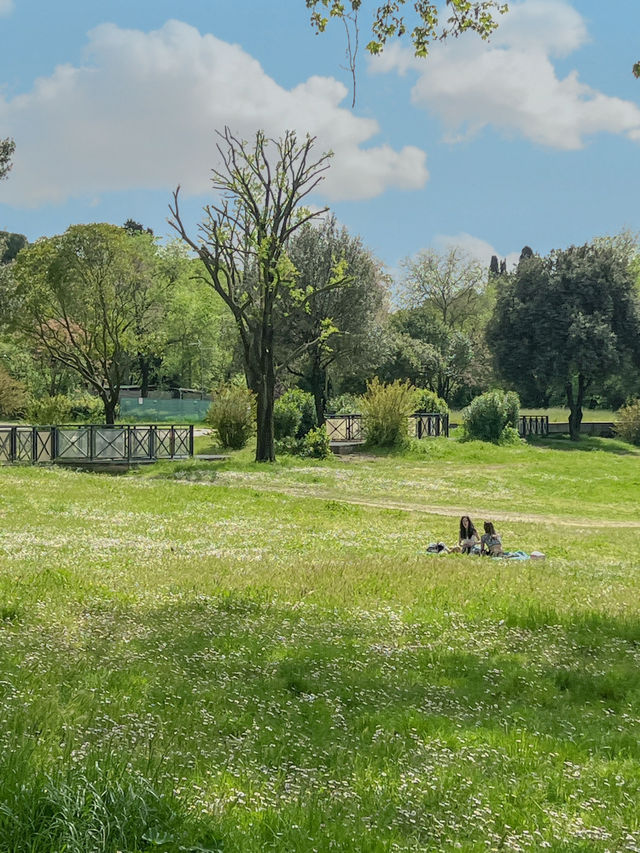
pixel 275 296
pixel 100 307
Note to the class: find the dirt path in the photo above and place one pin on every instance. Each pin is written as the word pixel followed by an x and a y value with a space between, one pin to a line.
pixel 433 509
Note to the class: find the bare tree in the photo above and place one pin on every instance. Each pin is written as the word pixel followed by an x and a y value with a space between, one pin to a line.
pixel 242 245
pixel 450 283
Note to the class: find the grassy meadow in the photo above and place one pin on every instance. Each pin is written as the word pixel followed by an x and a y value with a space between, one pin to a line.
pixel 222 656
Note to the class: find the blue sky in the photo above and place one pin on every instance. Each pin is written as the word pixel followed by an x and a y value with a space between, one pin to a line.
pixel 532 139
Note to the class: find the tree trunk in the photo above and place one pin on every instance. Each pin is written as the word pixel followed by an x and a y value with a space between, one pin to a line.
pixel 319 388
pixel 145 370
pixel 575 406
pixel 109 410
pixel 265 447
pixel 263 383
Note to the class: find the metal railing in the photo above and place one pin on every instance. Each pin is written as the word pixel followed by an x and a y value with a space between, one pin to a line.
pixel 533 425
pixel 344 427
pixel 428 425
pixel 420 425
pixel 90 443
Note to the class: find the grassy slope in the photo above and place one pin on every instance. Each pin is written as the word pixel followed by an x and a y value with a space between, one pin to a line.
pixel 224 657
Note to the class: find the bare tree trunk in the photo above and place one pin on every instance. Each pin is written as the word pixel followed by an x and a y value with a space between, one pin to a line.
pixel 265 444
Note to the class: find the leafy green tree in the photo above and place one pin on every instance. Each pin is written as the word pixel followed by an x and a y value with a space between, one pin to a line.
pixel 243 239
pixel 10 245
pixel 425 22
pixel 346 291
pixel 440 333
pixel 76 295
pixel 566 321
pixel 7 147
pixel 199 335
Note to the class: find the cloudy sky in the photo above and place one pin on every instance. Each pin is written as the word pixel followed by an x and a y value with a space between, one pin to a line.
pixel 532 138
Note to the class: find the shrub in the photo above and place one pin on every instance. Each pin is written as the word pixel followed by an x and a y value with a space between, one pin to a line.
pixel 345 404
pixel 385 410
pixel 429 403
pixel 232 415
pixel 628 423
pixel 289 446
pixel 294 414
pixel 286 418
pixel 87 408
pixel 50 410
pixel 488 416
pixel 316 444
pixel 13 396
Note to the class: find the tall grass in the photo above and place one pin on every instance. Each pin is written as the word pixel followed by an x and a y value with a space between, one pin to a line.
pixel 234 657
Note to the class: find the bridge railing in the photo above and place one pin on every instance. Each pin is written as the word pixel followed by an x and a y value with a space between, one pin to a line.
pixel 350 427
pixel 533 425
pixel 84 443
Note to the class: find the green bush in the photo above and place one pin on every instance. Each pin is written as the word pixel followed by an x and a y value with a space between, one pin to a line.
pixel 385 410
pixel 316 444
pixel 294 414
pixel 628 423
pixel 50 410
pixel 345 404
pixel 429 403
pixel 490 417
pixel 14 399
pixel 286 418
pixel 288 446
pixel 87 408
pixel 232 415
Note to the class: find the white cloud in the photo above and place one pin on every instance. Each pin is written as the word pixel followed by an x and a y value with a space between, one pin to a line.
pixel 511 82
pixel 142 114
pixel 475 247
pixel 6 7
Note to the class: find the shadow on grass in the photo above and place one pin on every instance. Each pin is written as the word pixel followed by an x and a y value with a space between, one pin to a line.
pixel 303 725
pixel 585 444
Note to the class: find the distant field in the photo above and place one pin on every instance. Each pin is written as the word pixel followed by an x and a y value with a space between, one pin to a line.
pixel 558 415
pixel 234 657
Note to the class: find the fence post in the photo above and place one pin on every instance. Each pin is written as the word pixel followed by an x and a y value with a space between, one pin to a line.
pixel 172 442
pixel 13 440
pixel 190 439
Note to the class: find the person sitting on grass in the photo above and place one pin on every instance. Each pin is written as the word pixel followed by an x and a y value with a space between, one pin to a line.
pixel 491 542
pixel 468 538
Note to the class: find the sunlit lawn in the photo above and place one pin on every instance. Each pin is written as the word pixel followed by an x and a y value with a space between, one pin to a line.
pixel 223 656
pixel 558 415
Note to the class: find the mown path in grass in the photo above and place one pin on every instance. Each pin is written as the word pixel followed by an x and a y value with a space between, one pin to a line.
pixel 596 483
pixel 194 659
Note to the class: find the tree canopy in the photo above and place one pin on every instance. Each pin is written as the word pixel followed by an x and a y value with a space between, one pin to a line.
pixel 80 297
pixel 333 328
pixel 565 321
pixel 7 147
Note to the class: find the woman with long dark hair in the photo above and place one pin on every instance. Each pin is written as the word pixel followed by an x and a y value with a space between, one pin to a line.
pixel 490 541
pixel 468 538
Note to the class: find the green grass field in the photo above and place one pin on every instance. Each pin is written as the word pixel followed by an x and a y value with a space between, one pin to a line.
pixel 558 415
pixel 233 657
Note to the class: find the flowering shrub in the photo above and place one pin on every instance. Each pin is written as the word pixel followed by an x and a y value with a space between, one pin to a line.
pixel 232 415
pixel 628 423
pixel 385 410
